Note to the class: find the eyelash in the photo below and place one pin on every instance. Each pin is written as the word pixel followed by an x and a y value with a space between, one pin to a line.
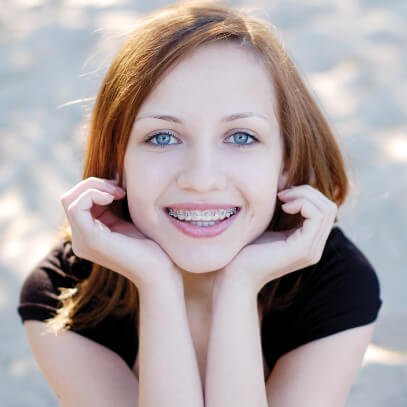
pixel 170 133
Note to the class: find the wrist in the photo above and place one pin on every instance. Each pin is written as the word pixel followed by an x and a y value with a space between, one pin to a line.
pixel 167 282
pixel 228 282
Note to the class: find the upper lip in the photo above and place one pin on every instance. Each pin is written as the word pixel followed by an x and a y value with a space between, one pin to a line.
pixel 201 205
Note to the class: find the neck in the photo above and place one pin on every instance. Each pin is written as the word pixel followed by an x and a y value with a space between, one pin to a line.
pixel 198 287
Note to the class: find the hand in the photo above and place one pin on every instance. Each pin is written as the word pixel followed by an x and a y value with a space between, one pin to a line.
pixel 275 254
pixel 100 236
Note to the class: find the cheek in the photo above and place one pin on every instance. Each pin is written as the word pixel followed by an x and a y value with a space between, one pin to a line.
pixel 145 185
pixel 262 198
pixel 137 186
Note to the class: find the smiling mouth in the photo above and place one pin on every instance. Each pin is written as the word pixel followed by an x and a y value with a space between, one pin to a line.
pixel 203 229
pixel 203 222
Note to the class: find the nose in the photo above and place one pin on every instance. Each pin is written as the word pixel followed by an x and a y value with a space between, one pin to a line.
pixel 202 172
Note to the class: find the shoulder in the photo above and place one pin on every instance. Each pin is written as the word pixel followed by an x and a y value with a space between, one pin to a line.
pixel 344 270
pixel 341 291
pixel 61 264
pixel 39 300
pixel 59 267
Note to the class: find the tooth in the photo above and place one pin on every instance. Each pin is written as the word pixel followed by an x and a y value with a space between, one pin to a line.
pixel 207 215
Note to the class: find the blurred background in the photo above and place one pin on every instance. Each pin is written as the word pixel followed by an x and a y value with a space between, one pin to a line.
pixel 53 56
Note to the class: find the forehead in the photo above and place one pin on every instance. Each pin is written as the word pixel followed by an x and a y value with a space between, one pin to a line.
pixel 218 77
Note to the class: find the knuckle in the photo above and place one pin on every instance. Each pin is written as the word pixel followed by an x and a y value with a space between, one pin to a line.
pixel 93 179
pixel 83 183
pixel 70 210
pixel 63 198
pixel 62 201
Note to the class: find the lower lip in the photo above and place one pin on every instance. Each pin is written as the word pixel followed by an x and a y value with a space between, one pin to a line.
pixel 202 231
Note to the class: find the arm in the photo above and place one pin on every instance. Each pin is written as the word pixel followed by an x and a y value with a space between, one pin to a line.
pixel 314 374
pixel 169 374
pixel 322 370
pixel 234 373
pixel 168 366
pixel 80 371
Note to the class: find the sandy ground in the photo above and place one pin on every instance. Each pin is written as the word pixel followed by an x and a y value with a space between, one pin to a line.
pixel 353 56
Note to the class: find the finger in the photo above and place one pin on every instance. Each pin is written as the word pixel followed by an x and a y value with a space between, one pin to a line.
pixel 328 208
pixel 310 230
pixel 302 191
pixel 315 228
pixel 79 211
pixel 98 183
pixel 313 194
pixel 99 211
pixel 303 205
pixel 109 218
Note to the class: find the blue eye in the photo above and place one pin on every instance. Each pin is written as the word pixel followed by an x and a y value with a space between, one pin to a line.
pixel 164 137
pixel 244 138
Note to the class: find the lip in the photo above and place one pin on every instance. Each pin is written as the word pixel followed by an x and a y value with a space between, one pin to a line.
pixel 202 205
pixel 201 231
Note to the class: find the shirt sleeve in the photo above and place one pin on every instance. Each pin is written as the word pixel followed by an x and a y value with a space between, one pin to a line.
pixel 342 292
pixel 39 300
pixel 39 291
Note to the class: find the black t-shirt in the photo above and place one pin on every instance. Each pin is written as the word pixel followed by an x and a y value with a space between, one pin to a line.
pixel 340 292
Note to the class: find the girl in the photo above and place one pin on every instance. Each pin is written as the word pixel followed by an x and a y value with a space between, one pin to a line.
pixel 200 263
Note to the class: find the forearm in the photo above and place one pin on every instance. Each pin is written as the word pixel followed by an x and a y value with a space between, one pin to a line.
pixel 234 372
pixel 169 374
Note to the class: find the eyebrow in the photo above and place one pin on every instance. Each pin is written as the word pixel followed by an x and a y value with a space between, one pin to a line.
pixel 228 118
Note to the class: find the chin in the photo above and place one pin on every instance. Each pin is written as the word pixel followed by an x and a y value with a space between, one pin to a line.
pixel 201 264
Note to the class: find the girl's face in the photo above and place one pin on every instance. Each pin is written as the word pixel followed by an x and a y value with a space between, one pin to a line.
pixel 218 141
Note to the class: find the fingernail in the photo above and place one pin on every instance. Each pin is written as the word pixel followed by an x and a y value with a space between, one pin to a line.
pixel 115 189
pixel 120 190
